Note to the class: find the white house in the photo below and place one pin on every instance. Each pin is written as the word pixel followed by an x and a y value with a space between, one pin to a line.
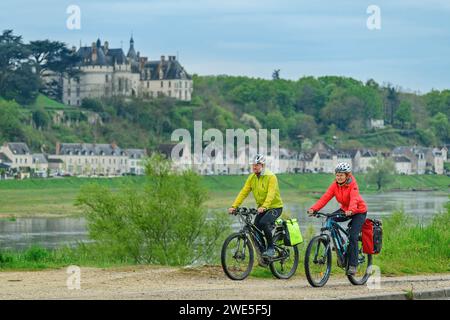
pixel 402 165
pixel 19 154
pixel 136 163
pixel 92 159
pixel 362 160
pixel 40 165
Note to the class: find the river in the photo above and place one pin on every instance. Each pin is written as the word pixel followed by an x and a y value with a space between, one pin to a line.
pixel 21 233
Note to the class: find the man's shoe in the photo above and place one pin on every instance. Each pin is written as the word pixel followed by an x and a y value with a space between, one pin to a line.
pixel 351 271
pixel 270 253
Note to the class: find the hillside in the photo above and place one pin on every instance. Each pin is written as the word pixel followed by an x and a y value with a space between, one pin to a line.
pixel 305 111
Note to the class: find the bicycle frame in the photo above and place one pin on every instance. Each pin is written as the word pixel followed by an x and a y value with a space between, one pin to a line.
pixel 257 238
pixel 334 233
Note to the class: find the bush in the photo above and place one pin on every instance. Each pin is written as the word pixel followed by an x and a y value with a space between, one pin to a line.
pixel 165 222
pixel 36 254
pixel 410 247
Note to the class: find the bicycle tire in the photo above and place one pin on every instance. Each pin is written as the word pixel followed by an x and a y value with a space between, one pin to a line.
pixel 324 241
pixel 227 268
pixel 359 282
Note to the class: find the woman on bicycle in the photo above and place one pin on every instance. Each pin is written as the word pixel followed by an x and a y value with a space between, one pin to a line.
pixel 264 185
pixel 346 191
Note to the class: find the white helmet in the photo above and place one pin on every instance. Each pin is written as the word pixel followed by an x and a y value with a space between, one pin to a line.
pixel 343 167
pixel 259 158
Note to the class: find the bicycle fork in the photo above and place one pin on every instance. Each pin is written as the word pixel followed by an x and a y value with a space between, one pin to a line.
pixel 328 246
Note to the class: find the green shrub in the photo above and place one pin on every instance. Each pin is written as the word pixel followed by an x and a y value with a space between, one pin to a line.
pixel 36 254
pixel 163 222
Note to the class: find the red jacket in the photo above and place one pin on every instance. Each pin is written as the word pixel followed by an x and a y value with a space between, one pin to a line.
pixel 347 195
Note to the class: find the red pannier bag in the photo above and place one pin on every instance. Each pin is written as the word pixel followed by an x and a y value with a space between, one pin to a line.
pixel 372 236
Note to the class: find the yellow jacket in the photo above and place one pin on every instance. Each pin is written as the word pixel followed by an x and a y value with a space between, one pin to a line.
pixel 265 190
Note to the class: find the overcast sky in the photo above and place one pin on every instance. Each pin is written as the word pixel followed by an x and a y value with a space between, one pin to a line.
pixel 254 37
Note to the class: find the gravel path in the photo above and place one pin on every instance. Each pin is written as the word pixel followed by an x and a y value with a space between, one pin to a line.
pixel 201 283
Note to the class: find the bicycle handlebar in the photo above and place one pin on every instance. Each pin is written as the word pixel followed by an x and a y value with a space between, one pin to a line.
pixel 245 211
pixel 328 215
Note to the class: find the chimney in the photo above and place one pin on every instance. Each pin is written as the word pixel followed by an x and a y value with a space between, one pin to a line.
pixel 58 147
pixel 106 46
pixel 94 51
pixel 163 58
pixel 113 145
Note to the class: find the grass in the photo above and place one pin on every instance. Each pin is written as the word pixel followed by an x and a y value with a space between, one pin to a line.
pixel 408 248
pixel 38 258
pixel 55 197
pixel 45 102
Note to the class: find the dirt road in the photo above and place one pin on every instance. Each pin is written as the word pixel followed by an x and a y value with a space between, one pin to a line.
pixel 200 283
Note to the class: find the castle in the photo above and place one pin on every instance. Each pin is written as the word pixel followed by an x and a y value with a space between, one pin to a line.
pixel 107 72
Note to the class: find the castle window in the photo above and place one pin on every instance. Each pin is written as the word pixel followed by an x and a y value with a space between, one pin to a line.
pixel 185 84
pixel 162 84
pixel 69 92
pixel 170 84
pixel 68 102
pixel 78 102
pixel 148 84
pixel 78 91
pixel 106 78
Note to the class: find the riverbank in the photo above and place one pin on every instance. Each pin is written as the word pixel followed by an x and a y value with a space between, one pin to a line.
pixel 56 197
pixel 409 248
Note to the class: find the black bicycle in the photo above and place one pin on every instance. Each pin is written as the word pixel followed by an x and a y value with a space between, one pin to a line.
pixel 238 250
pixel 333 237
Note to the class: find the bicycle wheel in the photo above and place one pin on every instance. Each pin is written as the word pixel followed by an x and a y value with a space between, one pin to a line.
pixel 237 256
pixel 364 269
pixel 318 261
pixel 287 266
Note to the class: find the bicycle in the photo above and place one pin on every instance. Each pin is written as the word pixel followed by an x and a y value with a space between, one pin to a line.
pixel 237 254
pixel 333 237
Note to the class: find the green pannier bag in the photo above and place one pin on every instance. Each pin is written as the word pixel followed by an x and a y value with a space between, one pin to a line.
pixel 292 234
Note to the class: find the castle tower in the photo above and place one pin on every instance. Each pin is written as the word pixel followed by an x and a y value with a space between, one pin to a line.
pixel 131 52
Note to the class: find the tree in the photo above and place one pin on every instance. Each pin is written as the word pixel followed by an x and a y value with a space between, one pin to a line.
pixel 381 172
pixel 392 102
pixel 276 74
pixel 55 57
pixel 275 120
pixel 10 124
pixel 18 78
pixel 403 115
pixel 441 126
pixel 41 118
pixel 164 222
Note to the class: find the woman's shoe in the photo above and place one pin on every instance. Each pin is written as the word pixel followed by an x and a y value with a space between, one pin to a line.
pixel 351 271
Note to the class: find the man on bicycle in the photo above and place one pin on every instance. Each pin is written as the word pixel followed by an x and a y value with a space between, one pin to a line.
pixel 264 185
pixel 346 191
